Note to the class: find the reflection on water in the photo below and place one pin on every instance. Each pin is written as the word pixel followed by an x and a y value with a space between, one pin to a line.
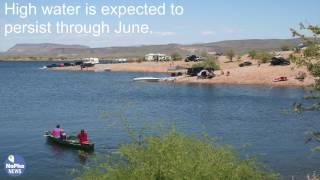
pixel 58 150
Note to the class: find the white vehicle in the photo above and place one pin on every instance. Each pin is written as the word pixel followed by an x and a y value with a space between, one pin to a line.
pixel 122 60
pixel 157 57
pixel 91 61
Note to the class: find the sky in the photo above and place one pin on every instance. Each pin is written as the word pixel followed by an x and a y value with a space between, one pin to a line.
pixel 202 21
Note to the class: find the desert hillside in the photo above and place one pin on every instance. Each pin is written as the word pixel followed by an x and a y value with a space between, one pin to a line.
pixel 77 51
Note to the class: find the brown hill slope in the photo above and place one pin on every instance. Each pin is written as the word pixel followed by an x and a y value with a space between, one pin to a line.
pixel 72 51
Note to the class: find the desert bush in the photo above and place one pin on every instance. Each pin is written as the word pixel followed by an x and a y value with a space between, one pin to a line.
pixel 230 54
pixel 311 55
pixel 252 54
pixel 311 51
pixel 311 59
pixel 204 53
pixel 210 62
pixel 314 69
pixel 176 56
pixel 178 156
pixel 264 56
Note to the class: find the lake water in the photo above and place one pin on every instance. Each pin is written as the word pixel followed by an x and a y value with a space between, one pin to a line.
pixel 33 101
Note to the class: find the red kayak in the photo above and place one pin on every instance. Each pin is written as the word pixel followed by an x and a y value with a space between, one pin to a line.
pixel 280 78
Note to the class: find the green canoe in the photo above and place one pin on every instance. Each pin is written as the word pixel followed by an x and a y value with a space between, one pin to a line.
pixel 70 142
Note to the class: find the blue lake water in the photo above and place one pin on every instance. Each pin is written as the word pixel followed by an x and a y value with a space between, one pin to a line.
pixel 33 101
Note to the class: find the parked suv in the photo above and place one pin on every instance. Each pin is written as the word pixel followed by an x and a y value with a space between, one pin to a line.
pixel 279 60
pixel 193 58
pixel 246 63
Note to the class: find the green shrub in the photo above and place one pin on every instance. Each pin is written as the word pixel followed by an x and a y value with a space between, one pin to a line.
pixel 204 54
pixel 211 62
pixel 264 56
pixel 177 156
pixel 176 57
pixel 314 69
pixel 311 51
pixel 252 54
pixel 230 54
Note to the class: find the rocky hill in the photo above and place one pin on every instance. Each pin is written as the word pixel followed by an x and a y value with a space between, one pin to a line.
pixel 75 51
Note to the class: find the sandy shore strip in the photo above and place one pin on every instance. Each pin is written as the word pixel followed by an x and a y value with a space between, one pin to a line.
pixel 254 75
pixel 156 67
pixel 251 75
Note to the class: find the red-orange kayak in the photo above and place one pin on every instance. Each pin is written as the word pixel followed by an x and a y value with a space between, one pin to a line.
pixel 280 78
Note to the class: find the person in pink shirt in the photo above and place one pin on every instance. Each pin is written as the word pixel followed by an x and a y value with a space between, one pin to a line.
pixel 56 132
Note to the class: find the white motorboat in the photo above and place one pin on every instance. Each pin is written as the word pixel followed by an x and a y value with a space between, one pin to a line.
pixel 44 67
pixel 147 79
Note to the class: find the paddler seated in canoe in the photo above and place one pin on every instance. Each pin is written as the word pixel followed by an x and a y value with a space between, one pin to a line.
pixel 56 132
pixel 83 137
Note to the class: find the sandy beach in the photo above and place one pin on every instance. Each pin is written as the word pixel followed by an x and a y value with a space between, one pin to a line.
pixel 157 67
pixel 251 75
pixel 255 75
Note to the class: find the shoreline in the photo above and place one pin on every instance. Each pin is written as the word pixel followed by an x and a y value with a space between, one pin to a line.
pixel 271 85
pixel 251 75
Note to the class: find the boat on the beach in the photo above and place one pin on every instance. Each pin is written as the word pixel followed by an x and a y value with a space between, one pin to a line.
pixel 70 142
pixel 280 78
pixel 52 65
pixel 147 79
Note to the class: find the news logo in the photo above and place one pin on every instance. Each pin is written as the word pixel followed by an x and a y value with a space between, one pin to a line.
pixel 15 165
